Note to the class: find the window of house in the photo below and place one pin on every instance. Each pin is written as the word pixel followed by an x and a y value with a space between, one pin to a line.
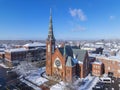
pixel 118 71
pixel 118 64
pixel 109 68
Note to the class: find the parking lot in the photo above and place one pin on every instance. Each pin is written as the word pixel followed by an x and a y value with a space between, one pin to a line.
pixel 114 85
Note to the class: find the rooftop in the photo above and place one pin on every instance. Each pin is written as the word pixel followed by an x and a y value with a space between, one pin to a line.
pixel 16 50
pixel 35 44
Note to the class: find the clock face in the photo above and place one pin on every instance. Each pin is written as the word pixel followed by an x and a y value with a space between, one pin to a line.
pixel 57 63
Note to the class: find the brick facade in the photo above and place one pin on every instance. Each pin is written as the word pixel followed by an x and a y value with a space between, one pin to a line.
pixel 97 69
pixel 110 66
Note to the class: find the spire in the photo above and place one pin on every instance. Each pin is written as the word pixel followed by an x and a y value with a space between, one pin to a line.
pixel 50 33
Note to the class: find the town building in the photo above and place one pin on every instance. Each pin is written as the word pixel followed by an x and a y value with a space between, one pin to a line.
pixel 64 63
pixel 29 52
pixel 111 65
pixel 97 68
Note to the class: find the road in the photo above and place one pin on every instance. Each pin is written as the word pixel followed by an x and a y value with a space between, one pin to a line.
pixel 3 76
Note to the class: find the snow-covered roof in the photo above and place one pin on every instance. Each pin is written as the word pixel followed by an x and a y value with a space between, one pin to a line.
pixel 16 50
pixel 2 49
pixel 79 62
pixel 2 52
pixel 96 62
pixel 114 58
pixel 35 44
pixel 100 43
pixel 94 55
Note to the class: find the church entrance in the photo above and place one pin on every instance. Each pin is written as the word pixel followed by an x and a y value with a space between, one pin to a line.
pixel 57 75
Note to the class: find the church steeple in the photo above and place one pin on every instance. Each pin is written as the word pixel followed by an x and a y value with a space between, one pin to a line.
pixel 50 33
pixel 50 47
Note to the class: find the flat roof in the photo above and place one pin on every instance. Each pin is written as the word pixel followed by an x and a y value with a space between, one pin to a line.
pixel 97 63
pixel 113 58
pixel 16 50
pixel 35 44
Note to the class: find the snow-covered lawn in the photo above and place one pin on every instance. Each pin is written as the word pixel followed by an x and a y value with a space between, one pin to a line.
pixel 35 77
pixel 3 65
pixel 90 82
pixel 30 84
pixel 59 86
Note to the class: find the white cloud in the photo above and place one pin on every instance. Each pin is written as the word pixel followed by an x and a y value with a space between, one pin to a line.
pixel 112 17
pixel 78 28
pixel 78 13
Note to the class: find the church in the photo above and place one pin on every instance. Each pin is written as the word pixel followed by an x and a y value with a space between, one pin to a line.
pixel 64 63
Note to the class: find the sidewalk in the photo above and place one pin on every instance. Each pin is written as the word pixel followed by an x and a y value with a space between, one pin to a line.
pixel 31 84
pixel 92 80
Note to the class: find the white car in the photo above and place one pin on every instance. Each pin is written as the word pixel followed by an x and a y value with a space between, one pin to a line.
pixel 105 80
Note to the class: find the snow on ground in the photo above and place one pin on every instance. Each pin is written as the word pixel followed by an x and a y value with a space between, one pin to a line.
pixel 3 65
pixel 90 81
pixel 93 83
pixel 24 68
pixel 36 78
pixel 58 86
pixel 30 84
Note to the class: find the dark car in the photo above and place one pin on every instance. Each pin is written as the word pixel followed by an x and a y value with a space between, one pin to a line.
pixel 99 86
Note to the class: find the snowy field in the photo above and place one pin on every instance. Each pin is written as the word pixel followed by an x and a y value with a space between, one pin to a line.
pixel 36 78
pixel 4 66
pixel 31 85
pixel 58 86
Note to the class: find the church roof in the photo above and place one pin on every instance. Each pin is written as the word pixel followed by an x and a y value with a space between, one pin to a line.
pixel 69 62
pixel 67 50
pixel 80 54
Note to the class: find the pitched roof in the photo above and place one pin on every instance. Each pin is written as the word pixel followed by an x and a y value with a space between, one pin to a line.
pixel 80 54
pixel 69 62
pixel 66 50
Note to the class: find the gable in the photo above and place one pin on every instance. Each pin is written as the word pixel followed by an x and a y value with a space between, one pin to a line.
pixel 67 50
pixel 57 55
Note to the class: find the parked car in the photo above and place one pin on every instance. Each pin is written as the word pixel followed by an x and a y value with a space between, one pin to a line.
pixel 105 80
pixel 99 86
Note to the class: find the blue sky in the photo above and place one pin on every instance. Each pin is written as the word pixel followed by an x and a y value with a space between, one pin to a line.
pixel 72 19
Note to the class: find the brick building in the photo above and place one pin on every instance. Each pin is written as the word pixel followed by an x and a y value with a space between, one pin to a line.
pixel 111 65
pixel 29 52
pixel 64 63
pixel 97 68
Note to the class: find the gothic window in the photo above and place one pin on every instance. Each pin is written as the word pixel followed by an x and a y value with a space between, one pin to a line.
pixel 48 48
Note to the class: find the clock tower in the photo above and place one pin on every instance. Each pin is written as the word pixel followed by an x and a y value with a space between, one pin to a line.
pixel 50 47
